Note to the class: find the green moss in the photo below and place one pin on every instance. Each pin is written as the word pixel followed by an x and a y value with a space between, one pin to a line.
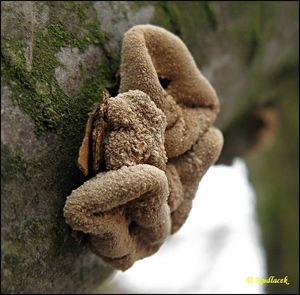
pixel 177 15
pixel 195 22
pixel 35 200
pixel 78 17
pixel 11 163
pixel 36 90
pixel 254 33
pixel 167 16
pixel 34 239
pixel 210 14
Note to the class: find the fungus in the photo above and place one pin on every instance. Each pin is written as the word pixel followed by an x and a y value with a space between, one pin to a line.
pixel 148 148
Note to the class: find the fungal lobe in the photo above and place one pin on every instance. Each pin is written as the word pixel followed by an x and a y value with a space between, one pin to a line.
pixel 147 149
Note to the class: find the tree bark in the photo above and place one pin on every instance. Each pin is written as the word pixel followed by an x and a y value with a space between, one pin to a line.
pixel 57 57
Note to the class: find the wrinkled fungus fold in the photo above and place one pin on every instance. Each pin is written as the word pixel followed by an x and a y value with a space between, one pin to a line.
pixel 145 150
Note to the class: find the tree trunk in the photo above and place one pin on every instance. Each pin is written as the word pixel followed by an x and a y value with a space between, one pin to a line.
pixel 57 57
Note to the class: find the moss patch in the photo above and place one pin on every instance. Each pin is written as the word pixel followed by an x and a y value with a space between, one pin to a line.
pixel 36 91
pixel 11 164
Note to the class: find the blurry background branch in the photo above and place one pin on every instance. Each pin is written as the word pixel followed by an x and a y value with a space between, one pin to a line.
pixel 57 57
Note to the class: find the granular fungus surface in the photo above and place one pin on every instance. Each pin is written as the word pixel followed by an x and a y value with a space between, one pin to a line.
pixel 146 150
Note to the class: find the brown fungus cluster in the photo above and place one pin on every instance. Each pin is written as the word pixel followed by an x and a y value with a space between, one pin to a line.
pixel 149 148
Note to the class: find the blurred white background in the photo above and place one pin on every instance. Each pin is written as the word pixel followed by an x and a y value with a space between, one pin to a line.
pixel 215 251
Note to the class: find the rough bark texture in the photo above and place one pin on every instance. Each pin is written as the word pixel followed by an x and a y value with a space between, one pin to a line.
pixel 57 57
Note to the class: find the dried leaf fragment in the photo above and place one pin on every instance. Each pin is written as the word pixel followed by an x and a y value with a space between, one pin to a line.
pixel 84 151
pixel 94 136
